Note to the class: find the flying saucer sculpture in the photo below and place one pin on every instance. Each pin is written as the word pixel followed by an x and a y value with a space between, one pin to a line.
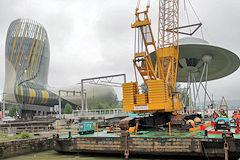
pixel 199 61
pixel 194 53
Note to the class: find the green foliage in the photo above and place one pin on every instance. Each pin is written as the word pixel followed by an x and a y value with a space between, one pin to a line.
pixel 100 106
pixel 13 110
pixel 102 98
pixel 115 101
pixel 108 101
pixel 24 135
pixel 68 109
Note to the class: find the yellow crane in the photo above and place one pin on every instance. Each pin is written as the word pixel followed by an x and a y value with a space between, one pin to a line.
pixel 161 98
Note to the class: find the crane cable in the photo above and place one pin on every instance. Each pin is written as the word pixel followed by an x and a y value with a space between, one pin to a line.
pixel 185 8
pixel 194 11
pixel 138 4
pixel 203 27
pixel 148 3
pixel 196 16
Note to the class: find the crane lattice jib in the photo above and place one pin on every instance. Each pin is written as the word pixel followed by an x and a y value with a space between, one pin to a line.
pixel 168 38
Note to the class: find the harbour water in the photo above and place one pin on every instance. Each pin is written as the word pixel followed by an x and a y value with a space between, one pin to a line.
pixel 52 155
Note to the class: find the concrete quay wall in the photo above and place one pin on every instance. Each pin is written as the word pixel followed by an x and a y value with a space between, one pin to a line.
pixel 23 146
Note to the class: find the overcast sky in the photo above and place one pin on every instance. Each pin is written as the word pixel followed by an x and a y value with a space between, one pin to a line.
pixel 91 38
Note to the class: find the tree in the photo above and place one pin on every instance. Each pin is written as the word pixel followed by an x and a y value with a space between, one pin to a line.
pixel 115 101
pixel 68 109
pixel 13 110
pixel 100 106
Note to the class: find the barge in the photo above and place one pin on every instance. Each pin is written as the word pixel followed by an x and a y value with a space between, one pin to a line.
pixel 155 143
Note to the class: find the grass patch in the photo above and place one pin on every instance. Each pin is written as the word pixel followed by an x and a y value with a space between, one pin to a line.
pixel 1 134
pixel 22 135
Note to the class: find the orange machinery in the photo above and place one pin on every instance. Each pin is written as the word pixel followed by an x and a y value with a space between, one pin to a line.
pixel 160 76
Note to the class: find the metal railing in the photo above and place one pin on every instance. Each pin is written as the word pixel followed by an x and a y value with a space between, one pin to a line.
pixel 99 112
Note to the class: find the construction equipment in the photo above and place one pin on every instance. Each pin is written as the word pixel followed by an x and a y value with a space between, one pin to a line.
pixel 85 128
pixel 160 79
pixel 222 123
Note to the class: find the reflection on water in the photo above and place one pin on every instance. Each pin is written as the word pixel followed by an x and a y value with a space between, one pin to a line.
pixel 52 155
pixel 47 155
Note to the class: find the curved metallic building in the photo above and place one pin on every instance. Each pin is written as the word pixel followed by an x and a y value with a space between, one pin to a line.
pixel 26 66
pixel 27 63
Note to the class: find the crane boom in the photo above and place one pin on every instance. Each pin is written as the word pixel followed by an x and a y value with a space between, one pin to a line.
pixel 168 38
pixel 159 76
